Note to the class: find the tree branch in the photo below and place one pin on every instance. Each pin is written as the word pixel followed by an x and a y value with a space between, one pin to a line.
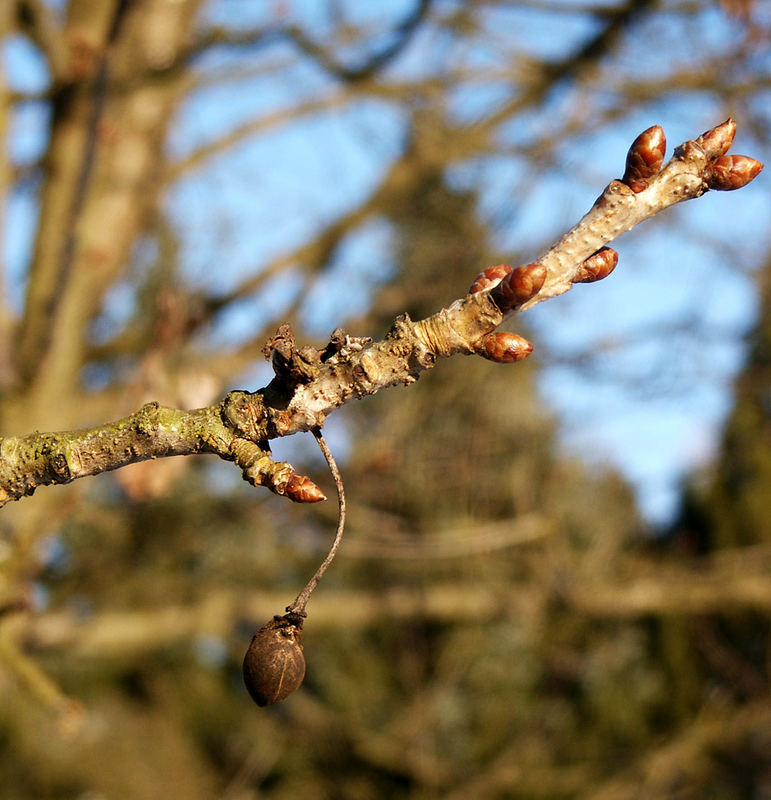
pixel 403 33
pixel 309 383
pixel 154 431
pixel 39 22
pixel 693 589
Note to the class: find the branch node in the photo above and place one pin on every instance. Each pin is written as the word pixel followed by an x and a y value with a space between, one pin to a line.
pixel 436 334
pixel 60 468
pixel 244 412
pixel 292 366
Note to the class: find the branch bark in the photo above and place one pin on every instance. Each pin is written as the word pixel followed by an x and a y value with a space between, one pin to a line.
pixel 309 383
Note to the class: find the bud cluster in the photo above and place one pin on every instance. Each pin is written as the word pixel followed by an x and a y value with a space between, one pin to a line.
pixel 724 173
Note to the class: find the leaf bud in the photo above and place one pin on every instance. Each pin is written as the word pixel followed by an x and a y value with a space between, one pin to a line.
pixel 490 277
pixel 274 664
pixel 302 489
pixel 598 266
pixel 519 286
pixel 503 347
pixel 727 173
pixel 716 141
pixel 645 157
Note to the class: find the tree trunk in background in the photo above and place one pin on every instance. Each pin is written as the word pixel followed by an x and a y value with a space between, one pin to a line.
pixel 114 101
pixel 739 503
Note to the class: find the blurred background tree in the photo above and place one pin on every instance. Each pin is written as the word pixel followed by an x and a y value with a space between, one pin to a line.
pixel 178 178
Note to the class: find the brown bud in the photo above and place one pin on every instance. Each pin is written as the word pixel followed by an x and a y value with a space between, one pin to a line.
pixel 519 286
pixel 598 266
pixel 732 172
pixel 645 158
pixel 490 277
pixel 303 490
pixel 503 347
pixel 716 141
pixel 274 664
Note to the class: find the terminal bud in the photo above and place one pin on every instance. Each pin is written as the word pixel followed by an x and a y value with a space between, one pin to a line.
pixel 727 173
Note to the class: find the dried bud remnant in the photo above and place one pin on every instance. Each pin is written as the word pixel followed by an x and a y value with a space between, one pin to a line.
pixel 598 266
pixel 519 286
pixel 274 664
pixel 645 157
pixel 727 173
pixel 503 347
pixel 490 277
pixel 716 141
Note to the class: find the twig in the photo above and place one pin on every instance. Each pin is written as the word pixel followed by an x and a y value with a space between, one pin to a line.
pixel 311 383
pixel 298 606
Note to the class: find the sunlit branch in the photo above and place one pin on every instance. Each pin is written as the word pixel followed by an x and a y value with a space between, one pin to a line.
pixel 253 128
pixel 311 383
pixel 402 34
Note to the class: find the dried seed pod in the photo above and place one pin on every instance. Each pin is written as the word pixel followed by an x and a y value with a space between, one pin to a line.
pixel 645 157
pixel 302 489
pixel 274 664
pixel 490 277
pixel 503 347
pixel 519 286
pixel 598 266
pixel 716 141
pixel 727 173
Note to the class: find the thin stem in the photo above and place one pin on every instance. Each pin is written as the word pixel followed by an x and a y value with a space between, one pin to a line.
pixel 298 606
